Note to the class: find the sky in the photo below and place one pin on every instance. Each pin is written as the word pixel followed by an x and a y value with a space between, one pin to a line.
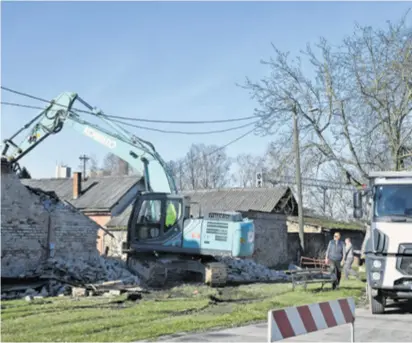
pixel 157 60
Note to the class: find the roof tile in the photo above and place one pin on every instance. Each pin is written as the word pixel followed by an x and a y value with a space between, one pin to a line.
pixel 98 193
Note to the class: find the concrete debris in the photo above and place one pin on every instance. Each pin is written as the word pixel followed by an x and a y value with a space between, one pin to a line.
pixel 245 270
pixel 79 292
pixel 79 277
pixel 78 271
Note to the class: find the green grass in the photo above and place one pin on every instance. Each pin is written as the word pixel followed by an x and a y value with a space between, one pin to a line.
pixel 181 309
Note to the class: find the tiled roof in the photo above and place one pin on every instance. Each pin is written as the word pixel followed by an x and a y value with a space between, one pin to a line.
pixel 230 199
pixel 98 193
pixel 238 199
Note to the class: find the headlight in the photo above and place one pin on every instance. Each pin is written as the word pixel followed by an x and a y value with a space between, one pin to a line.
pixel 376 276
pixel 377 264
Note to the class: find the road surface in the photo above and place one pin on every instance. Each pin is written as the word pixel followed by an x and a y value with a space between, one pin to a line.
pixel 393 326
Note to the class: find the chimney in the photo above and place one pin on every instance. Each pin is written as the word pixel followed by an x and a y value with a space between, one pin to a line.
pixel 77 184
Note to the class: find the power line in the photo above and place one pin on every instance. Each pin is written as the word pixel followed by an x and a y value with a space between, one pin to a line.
pixel 185 132
pixel 219 148
pixel 109 116
pixel 150 128
pixel 146 120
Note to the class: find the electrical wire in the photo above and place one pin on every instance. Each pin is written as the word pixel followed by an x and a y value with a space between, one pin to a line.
pixel 219 148
pixel 21 105
pixel 128 124
pixel 114 119
pixel 109 116
pixel 146 127
pixel 184 132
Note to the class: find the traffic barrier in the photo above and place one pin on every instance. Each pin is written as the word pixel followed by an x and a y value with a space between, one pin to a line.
pixel 300 320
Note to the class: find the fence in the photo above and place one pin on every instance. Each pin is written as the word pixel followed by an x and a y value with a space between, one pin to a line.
pixel 300 320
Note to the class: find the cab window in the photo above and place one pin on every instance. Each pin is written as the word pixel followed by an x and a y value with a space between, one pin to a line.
pixel 150 212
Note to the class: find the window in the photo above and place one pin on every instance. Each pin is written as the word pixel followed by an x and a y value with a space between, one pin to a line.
pixel 150 212
pixel 393 200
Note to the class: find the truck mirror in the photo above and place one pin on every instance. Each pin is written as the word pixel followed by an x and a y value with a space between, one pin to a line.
pixel 358 213
pixel 357 200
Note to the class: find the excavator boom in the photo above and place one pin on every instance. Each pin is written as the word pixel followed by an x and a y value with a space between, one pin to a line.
pixel 139 153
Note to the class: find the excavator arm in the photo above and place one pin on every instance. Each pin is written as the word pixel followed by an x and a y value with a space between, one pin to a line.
pixel 140 154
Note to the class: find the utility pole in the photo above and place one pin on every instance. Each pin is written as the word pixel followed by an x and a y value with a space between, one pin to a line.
pixel 84 160
pixel 298 178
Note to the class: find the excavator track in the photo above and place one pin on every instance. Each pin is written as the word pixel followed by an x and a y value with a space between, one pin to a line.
pixel 152 273
pixel 215 274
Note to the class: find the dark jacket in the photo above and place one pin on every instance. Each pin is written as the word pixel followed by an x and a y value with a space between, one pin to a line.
pixel 335 251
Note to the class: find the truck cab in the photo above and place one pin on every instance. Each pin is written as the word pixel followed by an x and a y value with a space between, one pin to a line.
pixel 388 246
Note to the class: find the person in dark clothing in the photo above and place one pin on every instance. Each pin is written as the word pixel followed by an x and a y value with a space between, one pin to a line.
pixel 334 257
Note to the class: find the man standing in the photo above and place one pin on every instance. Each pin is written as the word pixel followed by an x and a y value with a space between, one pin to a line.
pixel 334 257
pixel 349 257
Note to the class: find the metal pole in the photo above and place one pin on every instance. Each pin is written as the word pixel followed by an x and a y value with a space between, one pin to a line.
pixel 352 332
pixel 298 178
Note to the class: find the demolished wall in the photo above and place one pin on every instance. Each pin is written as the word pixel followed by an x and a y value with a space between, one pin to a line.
pixel 35 227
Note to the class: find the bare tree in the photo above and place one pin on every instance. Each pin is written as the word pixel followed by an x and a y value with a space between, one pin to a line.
pixel 214 165
pixel 93 166
pixel 203 167
pixel 177 169
pixel 114 165
pixel 355 114
pixel 192 160
pixel 247 167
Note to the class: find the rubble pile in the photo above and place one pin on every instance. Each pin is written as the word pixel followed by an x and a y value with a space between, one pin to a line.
pixel 240 270
pixel 78 271
pixel 62 275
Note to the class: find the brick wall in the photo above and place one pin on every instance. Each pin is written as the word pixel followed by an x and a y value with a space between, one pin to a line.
pixel 27 228
pixel 271 247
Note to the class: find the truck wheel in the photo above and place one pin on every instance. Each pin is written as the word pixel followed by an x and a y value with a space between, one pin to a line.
pixel 377 303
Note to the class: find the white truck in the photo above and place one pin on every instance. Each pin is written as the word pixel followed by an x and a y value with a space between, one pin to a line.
pixel 388 246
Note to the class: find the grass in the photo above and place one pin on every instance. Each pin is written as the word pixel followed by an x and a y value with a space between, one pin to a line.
pixel 181 309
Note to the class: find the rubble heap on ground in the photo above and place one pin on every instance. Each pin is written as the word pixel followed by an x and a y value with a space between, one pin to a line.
pixel 79 272
pixel 44 238
pixel 64 274
pixel 246 270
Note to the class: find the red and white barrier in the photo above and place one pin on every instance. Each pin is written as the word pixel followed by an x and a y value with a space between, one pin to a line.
pixel 300 320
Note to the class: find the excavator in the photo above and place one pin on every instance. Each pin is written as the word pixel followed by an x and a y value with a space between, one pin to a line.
pixel 155 245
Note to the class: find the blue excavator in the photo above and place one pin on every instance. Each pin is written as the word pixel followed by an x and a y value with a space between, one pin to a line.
pixel 155 244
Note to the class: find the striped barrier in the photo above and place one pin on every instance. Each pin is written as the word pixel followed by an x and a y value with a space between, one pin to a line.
pixel 300 320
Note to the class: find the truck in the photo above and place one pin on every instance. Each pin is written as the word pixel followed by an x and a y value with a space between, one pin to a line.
pixel 154 245
pixel 387 202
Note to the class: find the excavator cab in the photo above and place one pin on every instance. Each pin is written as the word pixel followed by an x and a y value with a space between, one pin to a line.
pixel 157 219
